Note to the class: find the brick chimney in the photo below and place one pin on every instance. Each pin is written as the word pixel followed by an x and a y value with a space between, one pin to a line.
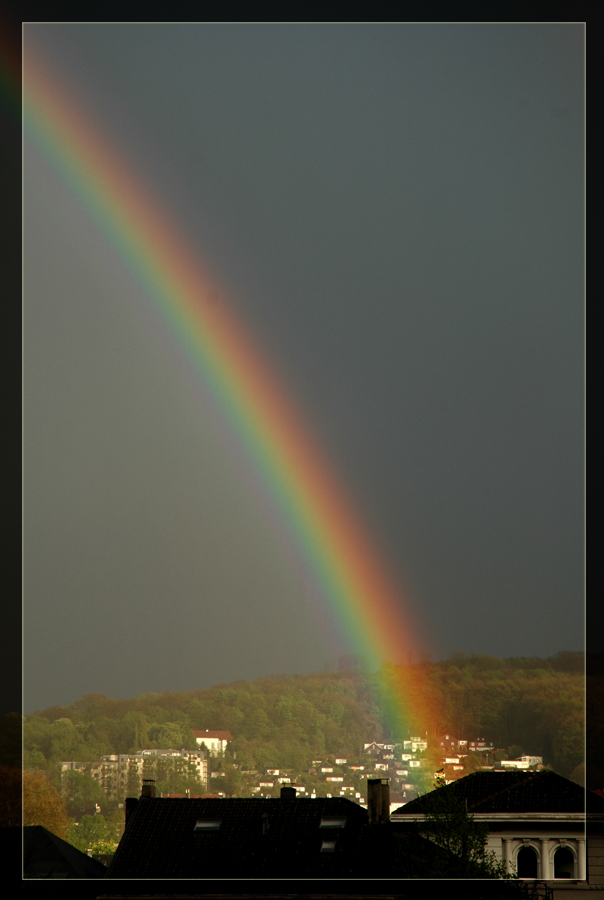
pixel 288 793
pixel 378 800
pixel 148 788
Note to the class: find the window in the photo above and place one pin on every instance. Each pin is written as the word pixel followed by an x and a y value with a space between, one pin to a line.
pixel 332 823
pixel 564 863
pixel 527 863
pixel 328 846
pixel 207 824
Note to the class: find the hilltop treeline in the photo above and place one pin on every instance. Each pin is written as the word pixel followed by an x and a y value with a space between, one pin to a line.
pixel 523 704
pixel 276 721
pixel 527 705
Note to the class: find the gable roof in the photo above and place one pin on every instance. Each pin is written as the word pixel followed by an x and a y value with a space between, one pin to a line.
pixel 255 838
pixel 393 850
pixel 277 838
pixel 508 792
pixel 47 856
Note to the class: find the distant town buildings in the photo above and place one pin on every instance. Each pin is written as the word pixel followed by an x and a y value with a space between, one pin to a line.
pixel 119 773
pixel 404 763
pixel 449 742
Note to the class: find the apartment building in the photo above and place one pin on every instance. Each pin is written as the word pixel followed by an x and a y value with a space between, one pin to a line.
pixel 119 773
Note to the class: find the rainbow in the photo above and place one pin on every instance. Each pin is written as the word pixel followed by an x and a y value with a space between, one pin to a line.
pixel 361 597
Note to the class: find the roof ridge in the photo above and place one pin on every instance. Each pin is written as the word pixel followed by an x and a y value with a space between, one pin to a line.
pixel 503 790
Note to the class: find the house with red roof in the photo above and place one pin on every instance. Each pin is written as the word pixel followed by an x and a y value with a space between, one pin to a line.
pixel 215 741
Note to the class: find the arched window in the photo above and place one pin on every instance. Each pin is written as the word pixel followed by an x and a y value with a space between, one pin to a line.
pixel 564 863
pixel 527 863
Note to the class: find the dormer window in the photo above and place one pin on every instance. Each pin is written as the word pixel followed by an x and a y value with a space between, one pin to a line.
pixel 328 846
pixel 207 824
pixel 332 823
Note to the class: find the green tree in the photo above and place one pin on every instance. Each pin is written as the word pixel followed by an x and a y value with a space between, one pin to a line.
pixel 115 823
pixel 260 725
pixel 336 712
pixel 231 783
pixel 64 740
pixel 179 776
pixel 133 734
pixel 90 831
pixel 450 826
pixel 34 759
pixel 473 762
pixel 569 743
pixel 167 736
pixel 36 735
pixel 103 846
pixel 81 790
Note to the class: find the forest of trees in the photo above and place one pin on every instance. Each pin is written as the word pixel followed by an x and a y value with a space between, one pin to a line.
pixel 529 705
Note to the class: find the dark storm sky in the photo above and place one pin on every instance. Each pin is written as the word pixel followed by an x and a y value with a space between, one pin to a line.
pixel 396 212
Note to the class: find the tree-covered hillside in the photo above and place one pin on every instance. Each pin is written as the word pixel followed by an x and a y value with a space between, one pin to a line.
pixel 532 705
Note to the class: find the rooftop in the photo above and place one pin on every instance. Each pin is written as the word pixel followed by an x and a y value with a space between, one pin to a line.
pixel 163 838
pixel 47 856
pixel 504 792
pixel 277 838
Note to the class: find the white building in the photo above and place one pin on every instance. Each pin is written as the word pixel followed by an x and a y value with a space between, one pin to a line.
pixel 215 741
pixel 523 762
pixel 537 824
pixel 415 744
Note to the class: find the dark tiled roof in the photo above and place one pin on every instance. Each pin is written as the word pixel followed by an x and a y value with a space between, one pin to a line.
pixel 47 856
pixel 395 851
pixel 273 839
pixel 506 792
pixel 267 838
